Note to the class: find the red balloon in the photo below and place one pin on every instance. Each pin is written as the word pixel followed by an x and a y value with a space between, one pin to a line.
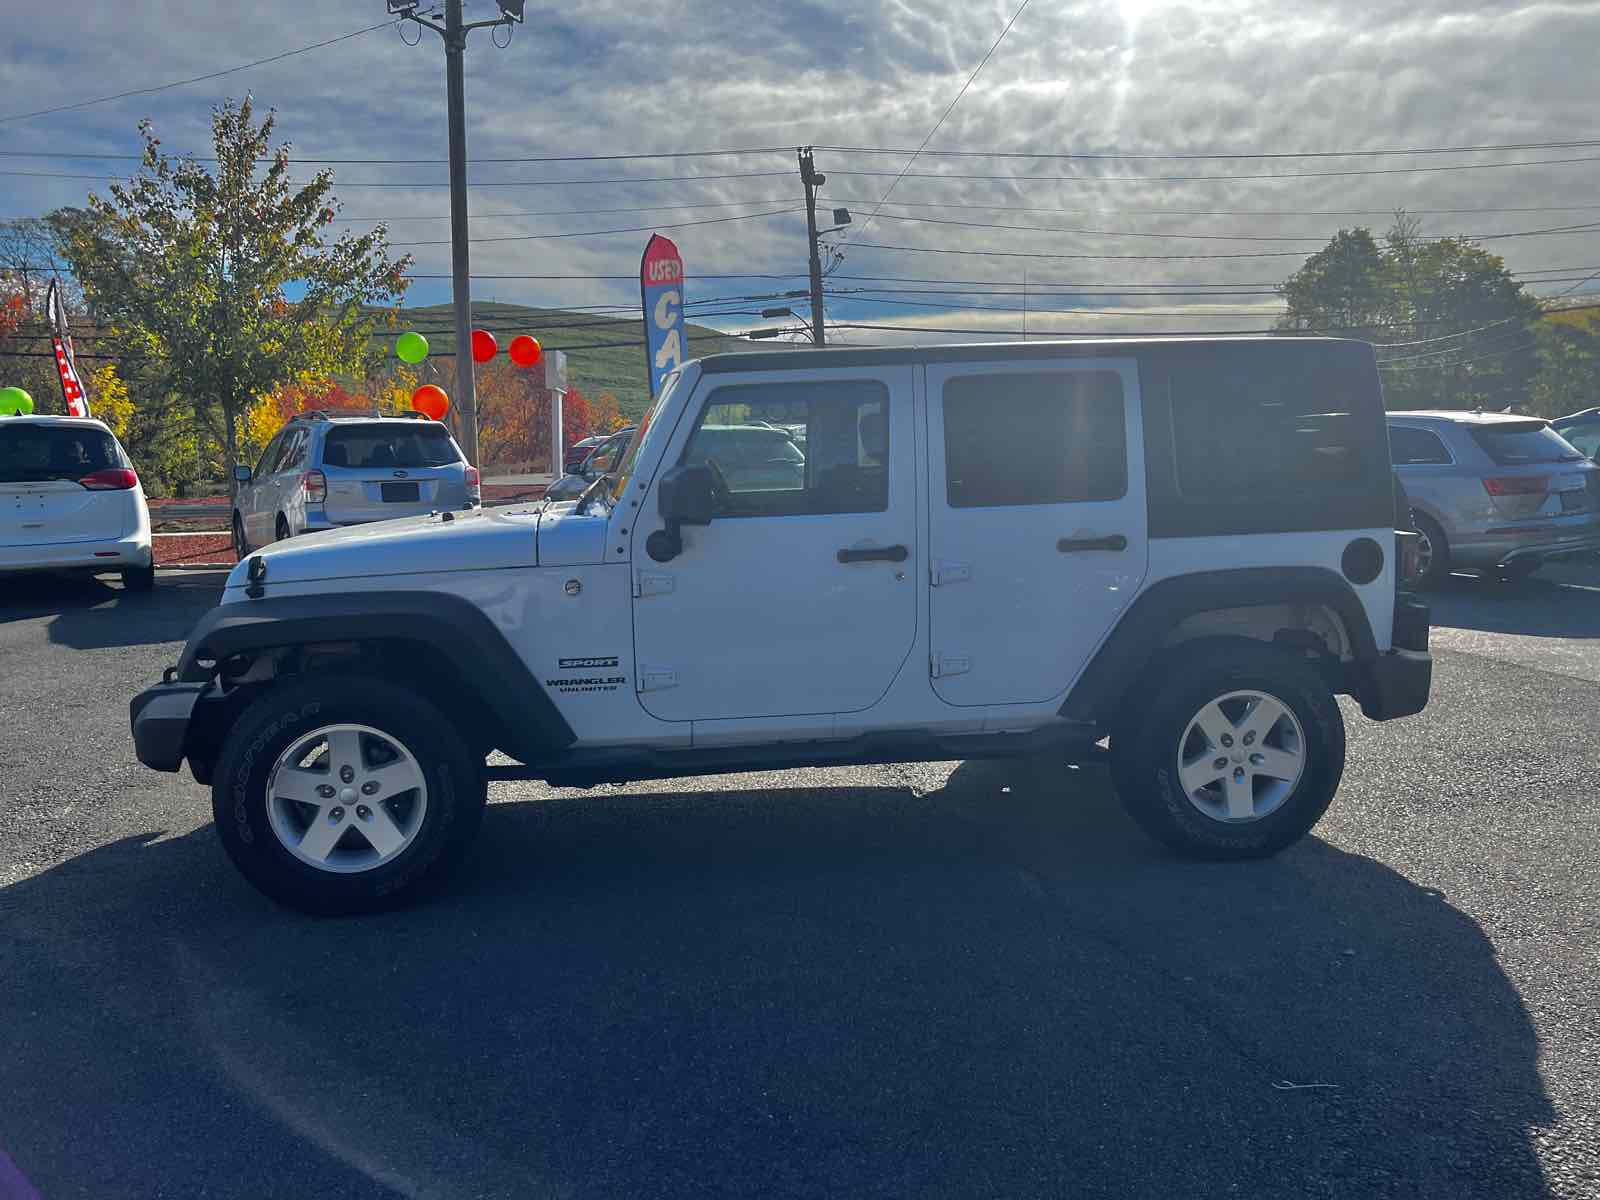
pixel 525 350
pixel 431 401
pixel 484 346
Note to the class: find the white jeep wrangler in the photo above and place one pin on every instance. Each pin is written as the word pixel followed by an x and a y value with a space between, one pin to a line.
pixel 831 557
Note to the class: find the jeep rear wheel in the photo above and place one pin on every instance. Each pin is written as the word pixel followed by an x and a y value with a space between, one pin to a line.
pixel 1230 749
pixel 345 795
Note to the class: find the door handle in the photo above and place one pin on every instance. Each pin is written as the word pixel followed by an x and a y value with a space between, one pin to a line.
pixel 874 554
pixel 1114 541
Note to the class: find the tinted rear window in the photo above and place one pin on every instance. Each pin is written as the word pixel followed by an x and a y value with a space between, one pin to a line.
pixel 1512 445
pixel 33 453
pixel 369 446
pixel 1246 429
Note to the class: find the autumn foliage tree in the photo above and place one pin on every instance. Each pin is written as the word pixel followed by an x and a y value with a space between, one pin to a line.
pixel 223 281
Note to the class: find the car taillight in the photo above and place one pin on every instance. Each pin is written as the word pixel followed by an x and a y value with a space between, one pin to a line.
pixel 1517 485
pixel 316 486
pixel 115 479
pixel 473 486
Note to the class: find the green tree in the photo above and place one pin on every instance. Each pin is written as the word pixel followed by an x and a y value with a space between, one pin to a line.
pixel 222 282
pixel 1459 328
pixel 1568 377
pixel 1343 288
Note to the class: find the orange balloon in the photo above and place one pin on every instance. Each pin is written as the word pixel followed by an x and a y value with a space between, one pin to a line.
pixel 525 350
pixel 431 401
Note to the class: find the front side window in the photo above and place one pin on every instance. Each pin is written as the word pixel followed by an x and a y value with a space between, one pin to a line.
pixel 794 449
pixel 1048 437
pixel 269 455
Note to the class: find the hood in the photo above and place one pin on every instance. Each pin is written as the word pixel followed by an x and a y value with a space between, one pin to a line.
pixel 481 540
pixel 567 540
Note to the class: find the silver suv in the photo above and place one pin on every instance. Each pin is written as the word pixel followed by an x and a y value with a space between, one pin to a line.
pixel 1493 492
pixel 324 470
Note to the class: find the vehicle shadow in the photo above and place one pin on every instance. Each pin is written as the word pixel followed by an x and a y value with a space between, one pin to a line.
pixel 95 612
pixel 993 989
pixel 1562 601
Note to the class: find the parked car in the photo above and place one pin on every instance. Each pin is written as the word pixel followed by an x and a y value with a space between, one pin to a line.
pixel 1186 546
pixel 579 450
pixel 1582 429
pixel 1493 492
pixel 70 500
pixel 601 459
pixel 328 469
pixel 752 458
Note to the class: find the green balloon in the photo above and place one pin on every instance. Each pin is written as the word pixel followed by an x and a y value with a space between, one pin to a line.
pixel 411 347
pixel 14 402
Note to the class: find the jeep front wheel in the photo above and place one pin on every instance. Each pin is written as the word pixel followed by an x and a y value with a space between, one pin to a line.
pixel 1232 749
pixel 345 795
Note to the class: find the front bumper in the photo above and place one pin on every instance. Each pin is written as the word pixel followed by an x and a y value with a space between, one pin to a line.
pixel 160 717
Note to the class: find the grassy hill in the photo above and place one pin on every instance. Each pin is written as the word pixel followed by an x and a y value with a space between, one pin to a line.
pixel 593 367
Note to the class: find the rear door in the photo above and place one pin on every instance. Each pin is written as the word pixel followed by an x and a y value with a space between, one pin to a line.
pixel 1037 522
pixel 41 500
pixel 380 470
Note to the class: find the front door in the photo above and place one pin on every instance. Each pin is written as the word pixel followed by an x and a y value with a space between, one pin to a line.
pixel 800 596
pixel 1037 521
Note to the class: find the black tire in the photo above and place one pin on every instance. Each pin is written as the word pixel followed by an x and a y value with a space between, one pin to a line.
pixel 282 532
pixel 1439 551
pixel 456 793
pixel 1145 747
pixel 241 548
pixel 139 579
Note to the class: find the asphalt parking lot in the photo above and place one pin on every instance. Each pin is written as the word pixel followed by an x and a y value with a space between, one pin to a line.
pixel 920 980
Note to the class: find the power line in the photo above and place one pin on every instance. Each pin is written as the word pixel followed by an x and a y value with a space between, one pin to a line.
pixel 1533 162
pixel 951 108
pixel 539 237
pixel 1119 257
pixel 1227 212
pixel 1589 226
pixel 578 212
pixel 162 87
pixel 345 184
pixel 1185 157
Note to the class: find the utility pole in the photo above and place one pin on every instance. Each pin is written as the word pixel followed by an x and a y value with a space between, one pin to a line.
pixel 454 31
pixel 813 181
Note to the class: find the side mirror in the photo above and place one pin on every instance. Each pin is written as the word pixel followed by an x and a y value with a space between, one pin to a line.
pixel 685 496
pixel 241 474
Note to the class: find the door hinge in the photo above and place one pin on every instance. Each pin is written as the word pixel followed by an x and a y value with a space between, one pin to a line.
pixel 655 679
pixel 940 665
pixel 652 583
pixel 942 571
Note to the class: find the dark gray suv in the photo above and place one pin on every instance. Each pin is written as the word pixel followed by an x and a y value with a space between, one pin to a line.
pixel 324 470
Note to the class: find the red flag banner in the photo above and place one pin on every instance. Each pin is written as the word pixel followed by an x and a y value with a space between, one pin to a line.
pixel 72 393
pixel 71 390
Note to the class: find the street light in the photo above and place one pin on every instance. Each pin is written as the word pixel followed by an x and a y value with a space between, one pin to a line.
pixel 454 29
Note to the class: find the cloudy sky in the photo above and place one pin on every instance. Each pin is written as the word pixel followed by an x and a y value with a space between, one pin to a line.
pixel 1128 78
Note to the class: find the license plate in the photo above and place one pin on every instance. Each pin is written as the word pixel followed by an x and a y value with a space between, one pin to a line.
pixel 1574 501
pixel 394 493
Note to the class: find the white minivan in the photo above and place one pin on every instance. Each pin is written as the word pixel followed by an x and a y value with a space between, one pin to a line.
pixel 70 500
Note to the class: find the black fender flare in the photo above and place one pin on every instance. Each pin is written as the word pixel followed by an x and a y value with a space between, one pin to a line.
pixel 1098 695
pixel 457 631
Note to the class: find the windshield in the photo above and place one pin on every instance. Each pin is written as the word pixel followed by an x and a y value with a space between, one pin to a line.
pixel 32 453
pixel 624 472
pixel 370 446
pixel 1513 445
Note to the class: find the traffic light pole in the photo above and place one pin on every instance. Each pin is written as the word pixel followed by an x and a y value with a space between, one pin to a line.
pixel 812 181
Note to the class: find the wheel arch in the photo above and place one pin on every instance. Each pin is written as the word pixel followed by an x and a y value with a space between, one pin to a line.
pixel 432 641
pixel 1218 603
